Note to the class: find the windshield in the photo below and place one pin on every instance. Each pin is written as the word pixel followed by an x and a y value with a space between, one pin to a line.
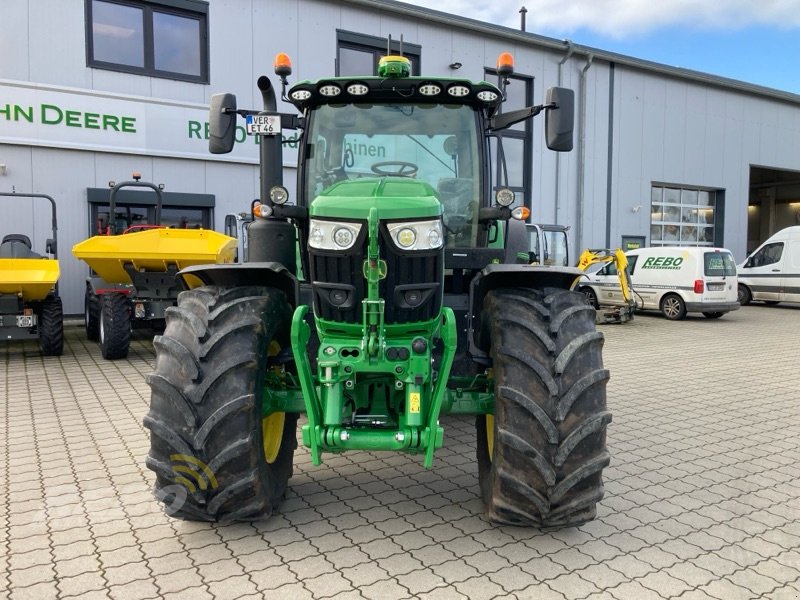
pixel 436 143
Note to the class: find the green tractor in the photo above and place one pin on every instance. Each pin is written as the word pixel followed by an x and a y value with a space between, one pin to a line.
pixel 396 289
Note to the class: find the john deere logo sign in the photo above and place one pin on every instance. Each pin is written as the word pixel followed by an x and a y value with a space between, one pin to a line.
pixel 663 262
pixel 50 114
pixel 59 117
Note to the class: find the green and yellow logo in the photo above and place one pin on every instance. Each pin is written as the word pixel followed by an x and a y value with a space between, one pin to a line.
pixel 663 262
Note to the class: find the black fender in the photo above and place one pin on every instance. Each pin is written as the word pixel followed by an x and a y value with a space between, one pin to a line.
pixel 518 242
pixel 512 276
pixel 270 274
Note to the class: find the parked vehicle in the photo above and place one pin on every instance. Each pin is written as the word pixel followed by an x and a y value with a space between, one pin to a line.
pixel 772 273
pixel 674 280
pixel 30 306
pixel 413 299
pixel 133 268
pixel 614 313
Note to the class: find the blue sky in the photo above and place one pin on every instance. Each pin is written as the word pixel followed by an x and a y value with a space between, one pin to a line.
pixel 756 42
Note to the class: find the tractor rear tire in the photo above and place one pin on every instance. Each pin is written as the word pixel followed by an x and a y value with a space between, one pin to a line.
pixel 115 326
pixel 215 456
pixel 91 314
pixel 542 453
pixel 51 326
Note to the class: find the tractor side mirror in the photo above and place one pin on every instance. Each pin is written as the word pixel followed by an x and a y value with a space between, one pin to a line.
pixel 559 121
pixel 221 123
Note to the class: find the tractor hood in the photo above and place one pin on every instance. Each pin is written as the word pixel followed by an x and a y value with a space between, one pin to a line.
pixel 394 197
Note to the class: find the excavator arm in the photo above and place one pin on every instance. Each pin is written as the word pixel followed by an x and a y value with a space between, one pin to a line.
pixel 617 257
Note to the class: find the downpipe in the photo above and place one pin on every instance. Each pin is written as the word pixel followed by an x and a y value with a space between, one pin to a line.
pixel 582 154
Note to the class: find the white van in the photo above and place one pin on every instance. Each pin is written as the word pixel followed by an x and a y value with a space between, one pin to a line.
pixel 772 272
pixel 675 280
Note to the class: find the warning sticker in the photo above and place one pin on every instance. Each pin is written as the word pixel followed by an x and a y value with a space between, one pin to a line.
pixel 413 402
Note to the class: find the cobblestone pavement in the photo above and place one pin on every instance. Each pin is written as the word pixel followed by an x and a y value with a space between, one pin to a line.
pixel 702 497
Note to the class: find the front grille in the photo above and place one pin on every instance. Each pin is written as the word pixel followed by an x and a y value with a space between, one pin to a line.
pixel 342 272
pixel 411 290
pixel 420 272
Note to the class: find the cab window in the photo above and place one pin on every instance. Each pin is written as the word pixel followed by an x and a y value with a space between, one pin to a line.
pixel 631 262
pixel 768 255
pixel 436 143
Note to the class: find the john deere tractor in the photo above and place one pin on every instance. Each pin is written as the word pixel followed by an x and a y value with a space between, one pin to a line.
pixel 397 288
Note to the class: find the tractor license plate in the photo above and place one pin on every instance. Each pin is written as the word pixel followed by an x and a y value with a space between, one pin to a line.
pixel 25 321
pixel 263 124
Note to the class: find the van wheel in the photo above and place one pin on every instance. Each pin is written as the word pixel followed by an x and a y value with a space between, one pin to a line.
pixel 591 297
pixel 743 295
pixel 673 307
pixel 712 315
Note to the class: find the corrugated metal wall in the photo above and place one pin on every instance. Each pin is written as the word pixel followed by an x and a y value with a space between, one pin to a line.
pixel 665 129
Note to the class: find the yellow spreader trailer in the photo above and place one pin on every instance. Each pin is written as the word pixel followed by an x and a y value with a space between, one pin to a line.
pixel 133 273
pixel 29 302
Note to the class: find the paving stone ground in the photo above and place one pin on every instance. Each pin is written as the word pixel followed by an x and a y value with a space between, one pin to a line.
pixel 702 497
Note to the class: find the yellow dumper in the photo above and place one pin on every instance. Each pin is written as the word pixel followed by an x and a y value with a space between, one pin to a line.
pixel 133 273
pixel 29 302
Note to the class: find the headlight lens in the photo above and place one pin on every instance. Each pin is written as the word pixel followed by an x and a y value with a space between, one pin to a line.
pixel 505 197
pixel 332 235
pixel 278 194
pixel 417 235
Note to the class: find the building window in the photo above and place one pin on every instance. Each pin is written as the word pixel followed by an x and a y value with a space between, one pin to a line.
pixel 682 216
pixel 512 148
pixel 159 38
pixel 358 54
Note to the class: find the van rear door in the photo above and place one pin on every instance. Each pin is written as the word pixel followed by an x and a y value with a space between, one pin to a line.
pixel 720 282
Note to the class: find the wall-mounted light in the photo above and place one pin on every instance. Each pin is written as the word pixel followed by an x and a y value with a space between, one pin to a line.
pixel 636 208
pixel 455 65
pixel 3 170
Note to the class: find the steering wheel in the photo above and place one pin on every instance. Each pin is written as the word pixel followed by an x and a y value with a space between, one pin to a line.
pixel 403 168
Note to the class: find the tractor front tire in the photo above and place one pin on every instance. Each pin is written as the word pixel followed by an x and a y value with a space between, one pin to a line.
pixel 51 326
pixel 91 314
pixel 542 453
pixel 215 456
pixel 115 326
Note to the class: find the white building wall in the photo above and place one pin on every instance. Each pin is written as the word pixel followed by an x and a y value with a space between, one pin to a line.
pixel 665 129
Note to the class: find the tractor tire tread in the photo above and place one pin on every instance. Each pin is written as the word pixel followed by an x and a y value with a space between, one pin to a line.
pixel 550 440
pixel 205 410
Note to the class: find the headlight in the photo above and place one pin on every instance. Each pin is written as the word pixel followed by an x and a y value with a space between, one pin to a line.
pixel 278 194
pixel 504 197
pixel 332 235
pixel 417 235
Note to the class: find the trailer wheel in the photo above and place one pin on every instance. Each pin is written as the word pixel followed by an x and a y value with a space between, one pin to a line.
pixel 216 457
pixel 673 307
pixel 115 326
pixel 542 453
pixel 51 327
pixel 91 314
